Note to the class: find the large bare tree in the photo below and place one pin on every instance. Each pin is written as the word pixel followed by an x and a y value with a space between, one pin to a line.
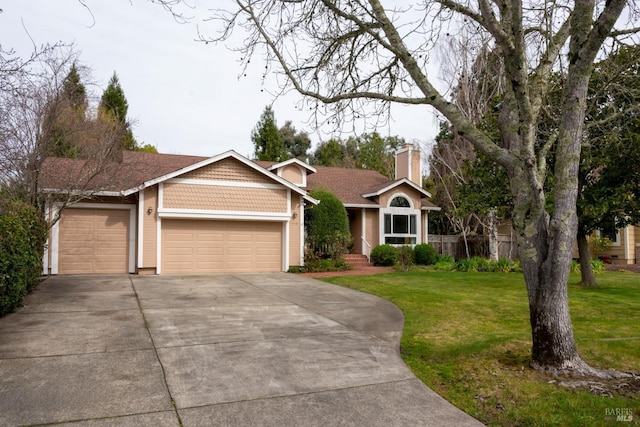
pixel 363 55
pixel 33 110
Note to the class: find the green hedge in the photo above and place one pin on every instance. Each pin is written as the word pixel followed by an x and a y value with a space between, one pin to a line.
pixel 23 234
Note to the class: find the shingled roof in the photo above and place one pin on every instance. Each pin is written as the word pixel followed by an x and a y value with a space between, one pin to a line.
pixel 136 168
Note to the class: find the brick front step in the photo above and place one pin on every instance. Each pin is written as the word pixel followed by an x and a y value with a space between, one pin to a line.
pixel 357 260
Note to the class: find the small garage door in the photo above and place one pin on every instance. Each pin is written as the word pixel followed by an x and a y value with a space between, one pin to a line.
pixel 93 241
pixel 209 246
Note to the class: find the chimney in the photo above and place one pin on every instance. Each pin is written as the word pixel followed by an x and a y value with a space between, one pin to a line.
pixel 409 163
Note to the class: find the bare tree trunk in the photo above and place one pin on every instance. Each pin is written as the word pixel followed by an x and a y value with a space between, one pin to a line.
pixel 493 235
pixel 586 272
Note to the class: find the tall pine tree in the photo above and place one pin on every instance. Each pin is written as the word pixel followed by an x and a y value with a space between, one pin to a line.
pixel 114 106
pixel 267 141
pixel 66 117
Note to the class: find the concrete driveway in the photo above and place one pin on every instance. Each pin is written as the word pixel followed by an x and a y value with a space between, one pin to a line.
pixel 238 350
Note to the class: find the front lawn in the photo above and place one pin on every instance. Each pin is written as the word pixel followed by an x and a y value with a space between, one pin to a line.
pixel 467 336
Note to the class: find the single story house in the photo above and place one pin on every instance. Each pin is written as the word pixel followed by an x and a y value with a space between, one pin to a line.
pixel 150 213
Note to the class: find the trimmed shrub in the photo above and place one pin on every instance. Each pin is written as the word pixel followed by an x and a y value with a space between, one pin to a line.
pixel 327 226
pixel 23 233
pixel 405 257
pixel 424 254
pixel 384 255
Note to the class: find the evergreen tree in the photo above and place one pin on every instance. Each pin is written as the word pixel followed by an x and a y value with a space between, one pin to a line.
pixel 66 117
pixel 296 143
pixel 267 141
pixel 327 226
pixel 74 90
pixel 114 106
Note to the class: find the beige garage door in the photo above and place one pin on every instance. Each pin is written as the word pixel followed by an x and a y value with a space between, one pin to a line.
pixel 209 246
pixel 93 241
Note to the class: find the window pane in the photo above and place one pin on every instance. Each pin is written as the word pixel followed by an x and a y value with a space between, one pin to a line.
pixel 400 202
pixel 387 223
pixel 400 224
pixel 412 224
pixel 400 240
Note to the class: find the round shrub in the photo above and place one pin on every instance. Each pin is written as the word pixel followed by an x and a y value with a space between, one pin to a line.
pixel 384 255
pixel 424 254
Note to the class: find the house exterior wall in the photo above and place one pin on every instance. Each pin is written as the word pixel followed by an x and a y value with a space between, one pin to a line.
pixel 618 251
pixel 402 164
pixel 636 249
pixel 372 228
pixel 409 164
pixel 296 234
pixel 149 228
pixel 624 252
pixel 227 170
pixel 218 197
pixel 293 174
pixel 401 190
pixel 355 227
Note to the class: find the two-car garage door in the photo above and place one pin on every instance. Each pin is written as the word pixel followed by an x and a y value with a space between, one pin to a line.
pixel 207 246
pixel 98 241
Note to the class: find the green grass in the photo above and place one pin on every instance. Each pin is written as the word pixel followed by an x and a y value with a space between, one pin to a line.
pixel 467 336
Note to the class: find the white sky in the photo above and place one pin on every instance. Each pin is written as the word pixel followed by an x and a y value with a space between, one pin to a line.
pixel 185 96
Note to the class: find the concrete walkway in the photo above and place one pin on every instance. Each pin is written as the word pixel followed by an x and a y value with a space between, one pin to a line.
pixel 221 350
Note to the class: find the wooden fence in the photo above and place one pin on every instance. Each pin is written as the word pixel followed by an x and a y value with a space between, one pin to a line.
pixel 478 246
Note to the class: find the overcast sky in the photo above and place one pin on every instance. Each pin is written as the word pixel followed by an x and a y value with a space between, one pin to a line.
pixel 185 96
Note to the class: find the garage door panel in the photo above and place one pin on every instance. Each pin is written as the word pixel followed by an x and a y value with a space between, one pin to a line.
pixel 93 241
pixel 218 246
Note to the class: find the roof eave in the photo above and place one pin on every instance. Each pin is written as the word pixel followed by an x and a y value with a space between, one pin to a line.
pixel 395 184
pixel 362 205
pixel 292 161
pixel 83 192
pixel 210 160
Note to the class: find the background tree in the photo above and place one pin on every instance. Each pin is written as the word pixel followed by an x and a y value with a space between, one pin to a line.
pixel 114 106
pixel 609 182
pixel 328 153
pixel 609 176
pixel 343 52
pixel 35 111
pixel 267 141
pixel 296 143
pixel 67 116
pixel 368 151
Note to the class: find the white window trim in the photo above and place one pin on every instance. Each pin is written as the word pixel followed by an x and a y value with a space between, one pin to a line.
pixel 617 242
pixel 400 211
